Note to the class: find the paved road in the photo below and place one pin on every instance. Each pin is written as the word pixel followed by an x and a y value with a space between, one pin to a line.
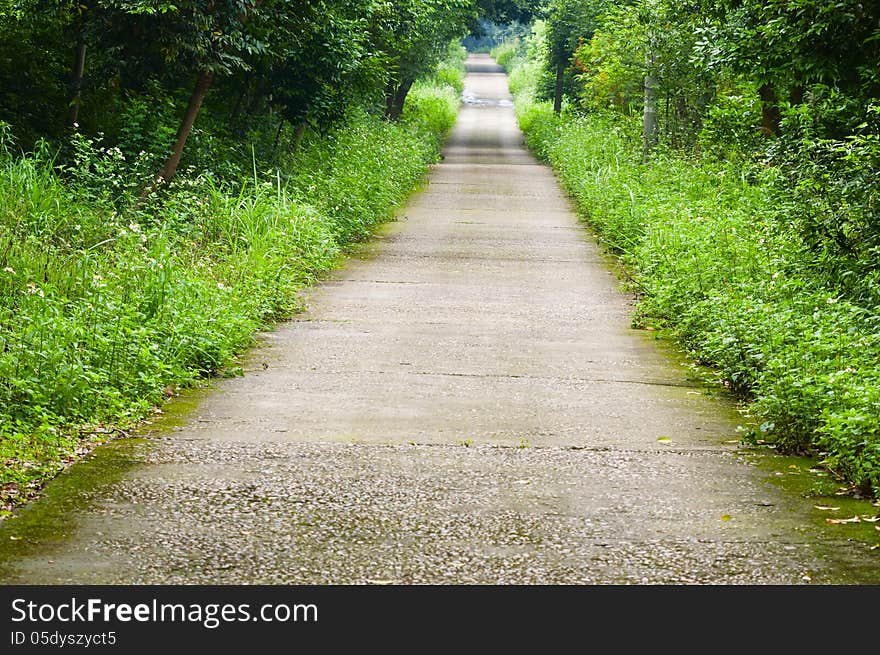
pixel 465 402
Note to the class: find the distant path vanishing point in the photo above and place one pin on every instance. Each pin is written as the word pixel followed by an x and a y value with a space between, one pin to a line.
pixel 464 402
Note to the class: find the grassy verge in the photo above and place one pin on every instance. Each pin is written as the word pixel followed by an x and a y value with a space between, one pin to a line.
pixel 103 314
pixel 718 266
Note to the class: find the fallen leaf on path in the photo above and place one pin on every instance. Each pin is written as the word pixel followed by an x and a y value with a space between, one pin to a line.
pixel 826 508
pixel 851 519
pixel 726 517
pixel 664 440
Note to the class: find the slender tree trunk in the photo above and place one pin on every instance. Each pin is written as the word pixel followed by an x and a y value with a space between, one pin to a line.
pixel 76 81
pixel 235 112
pixel 203 83
pixel 298 135
pixel 796 95
pixel 649 112
pixel 770 116
pixel 278 136
pixel 666 119
pixel 557 92
pixel 395 100
pixel 390 90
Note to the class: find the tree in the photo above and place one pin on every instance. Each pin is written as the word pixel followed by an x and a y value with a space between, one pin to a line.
pixel 410 36
pixel 320 63
pixel 205 38
pixel 569 22
pixel 788 46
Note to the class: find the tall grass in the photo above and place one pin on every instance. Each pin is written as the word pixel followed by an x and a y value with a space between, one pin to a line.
pixel 716 264
pixel 103 312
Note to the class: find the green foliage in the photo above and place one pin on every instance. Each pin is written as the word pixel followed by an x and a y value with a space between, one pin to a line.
pixel 136 74
pixel 488 35
pixel 636 40
pixel 800 42
pixel 610 67
pixel 718 260
pixel 414 36
pixel 828 191
pixel 450 70
pixel 433 104
pixel 505 53
pixel 524 59
pixel 105 305
pixel 569 22
pixel 730 125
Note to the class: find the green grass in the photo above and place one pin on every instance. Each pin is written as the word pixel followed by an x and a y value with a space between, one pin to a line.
pixel 104 312
pixel 716 264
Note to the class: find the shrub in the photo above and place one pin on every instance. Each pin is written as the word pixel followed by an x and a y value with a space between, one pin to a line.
pixel 717 260
pixel 105 304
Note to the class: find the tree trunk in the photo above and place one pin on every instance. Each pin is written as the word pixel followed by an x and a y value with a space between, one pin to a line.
pixel 203 83
pixel 557 92
pixel 395 98
pixel 649 112
pixel 298 135
pixel 770 116
pixel 235 112
pixel 278 136
pixel 76 80
pixel 390 90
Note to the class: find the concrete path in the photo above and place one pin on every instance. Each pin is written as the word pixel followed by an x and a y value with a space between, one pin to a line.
pixel 464 403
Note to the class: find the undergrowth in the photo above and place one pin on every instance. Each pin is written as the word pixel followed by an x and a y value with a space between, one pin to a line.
pixel 720 264
pixel 108 306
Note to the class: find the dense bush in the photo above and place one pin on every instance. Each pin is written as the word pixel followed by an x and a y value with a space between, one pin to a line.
pixel 721 260
pixel 106 305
